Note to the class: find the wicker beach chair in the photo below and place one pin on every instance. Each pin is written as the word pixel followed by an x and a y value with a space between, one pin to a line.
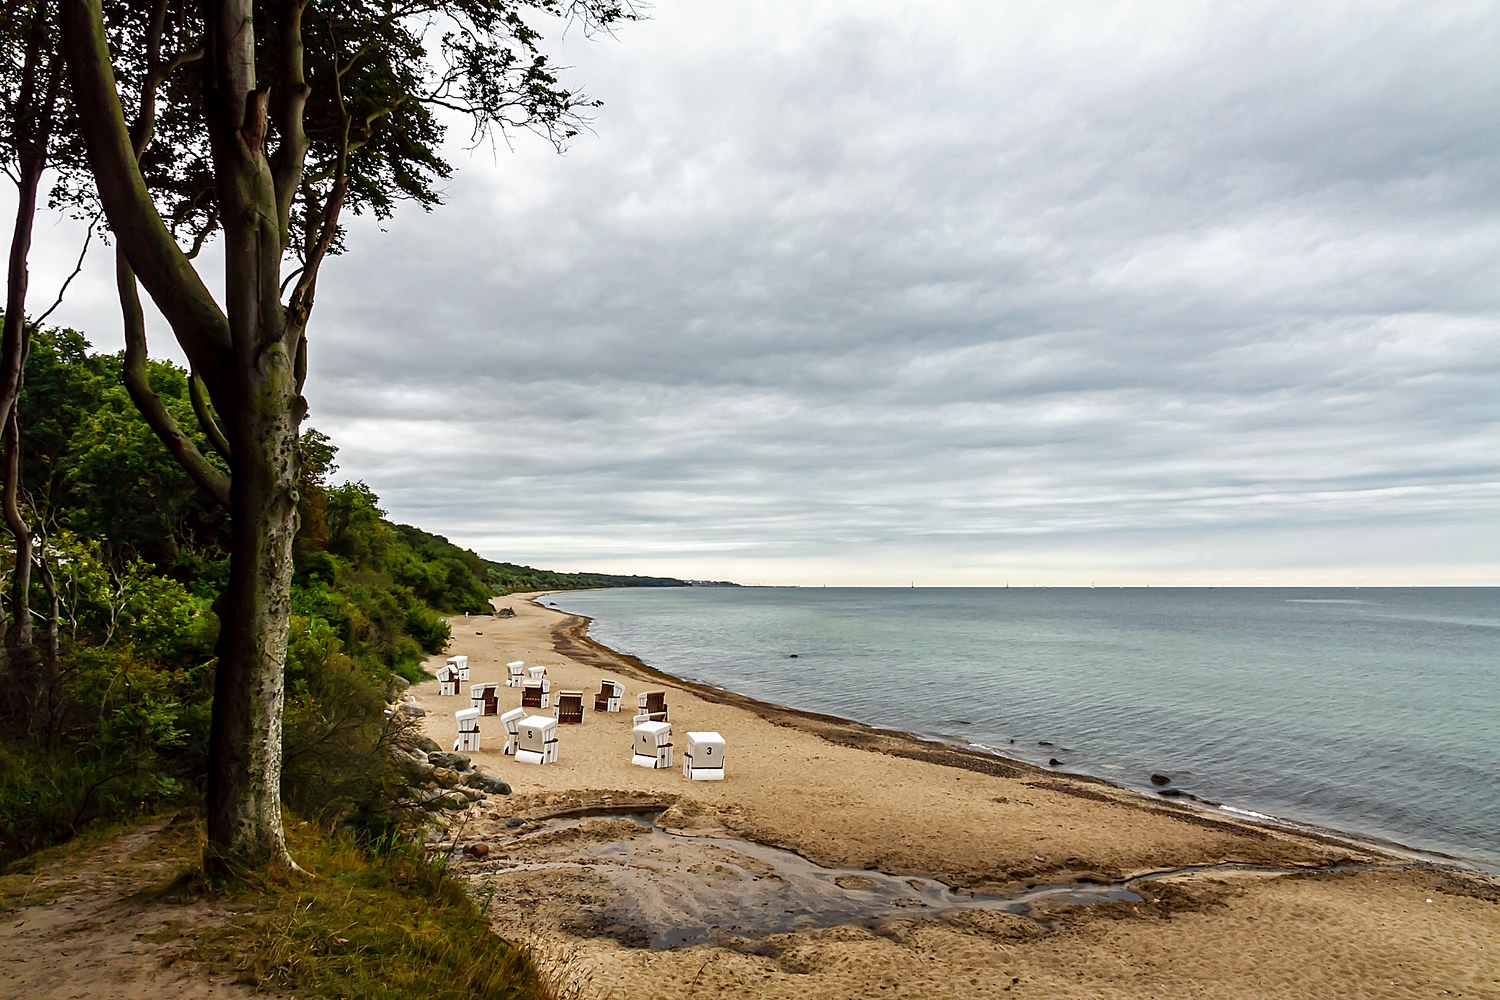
pixel 447 678
pixel 517 670
pixel 536 741
pixel 511 721
pixel 608 698
pixel 651 706
pixel 467 721
pixel 651 745
pixel 536 694
pixel 486 698
pixel 569 711
pixel 461 664
pixel 704 759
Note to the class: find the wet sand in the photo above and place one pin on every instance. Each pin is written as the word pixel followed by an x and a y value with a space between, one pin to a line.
pixel 611 863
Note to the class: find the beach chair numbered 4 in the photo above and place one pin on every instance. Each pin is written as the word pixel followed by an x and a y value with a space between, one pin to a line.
pixel 447 678
pixel 704 759
pixel 460 664
pixel 467 720
pixel 536 694
pixel 651 745
pixel 536 740
pixel 651 706
pixel 511 721
pixel 569 711
pixel 608 698
pixel 517 674
pixel 486 698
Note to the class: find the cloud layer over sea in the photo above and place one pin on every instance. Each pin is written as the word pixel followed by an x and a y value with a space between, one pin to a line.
pixel 857 292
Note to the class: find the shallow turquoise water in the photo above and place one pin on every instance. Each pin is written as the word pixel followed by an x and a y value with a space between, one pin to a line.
pixel 1372 711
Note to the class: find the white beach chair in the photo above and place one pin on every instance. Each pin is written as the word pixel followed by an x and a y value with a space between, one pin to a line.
pixel 461 664
pixel 536 694
pixel 652 745
pixel 537 673
pixel 511 720
pixel 485 697
pixel 704 758
pixel 447 678
pixel 467 720
pixel 536 740
pixel 517 670
pixel 569 708
pixel 651 706
pixel 608 698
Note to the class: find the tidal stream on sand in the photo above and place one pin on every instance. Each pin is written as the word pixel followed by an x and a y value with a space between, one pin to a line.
pixel 671 890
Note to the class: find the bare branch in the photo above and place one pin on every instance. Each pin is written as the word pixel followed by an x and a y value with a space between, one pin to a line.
pixel 88 238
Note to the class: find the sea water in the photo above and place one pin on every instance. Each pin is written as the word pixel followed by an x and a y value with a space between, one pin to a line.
pixel 1374 712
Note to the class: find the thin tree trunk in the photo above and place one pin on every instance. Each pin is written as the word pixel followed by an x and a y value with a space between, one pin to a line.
pixel 20 597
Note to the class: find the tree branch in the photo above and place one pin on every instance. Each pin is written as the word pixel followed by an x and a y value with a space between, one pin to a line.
pixel 208 477
pixel 197 321
pixel 211 428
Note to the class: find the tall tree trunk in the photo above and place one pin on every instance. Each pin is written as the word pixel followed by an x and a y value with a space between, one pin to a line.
pixel 245 741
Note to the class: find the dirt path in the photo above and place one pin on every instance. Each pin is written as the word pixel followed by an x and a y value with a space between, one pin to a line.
pixel 88 924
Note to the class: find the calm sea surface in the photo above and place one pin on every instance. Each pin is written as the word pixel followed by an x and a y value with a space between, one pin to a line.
pixel 1372 711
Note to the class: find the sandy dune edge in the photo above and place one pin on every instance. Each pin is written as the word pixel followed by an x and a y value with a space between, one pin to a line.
pixel 850 797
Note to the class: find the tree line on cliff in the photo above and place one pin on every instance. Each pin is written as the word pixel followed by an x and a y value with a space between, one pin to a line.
pixel 111 716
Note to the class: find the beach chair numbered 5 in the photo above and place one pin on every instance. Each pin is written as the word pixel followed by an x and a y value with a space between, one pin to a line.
pixel 704 759
pixel 651 745
pixel 536 740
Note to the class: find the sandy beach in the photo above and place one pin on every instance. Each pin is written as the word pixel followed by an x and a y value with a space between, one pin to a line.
pixel 836 860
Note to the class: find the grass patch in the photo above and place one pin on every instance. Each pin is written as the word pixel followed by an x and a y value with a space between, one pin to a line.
pixel 370 925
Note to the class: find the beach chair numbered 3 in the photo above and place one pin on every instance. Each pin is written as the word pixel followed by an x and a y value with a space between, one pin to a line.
pixel 511 721
pixel 517 673
pixel 536 694
pixel 608 698
pixel 651 745
pixel 569 709
pixel 536 740
pixel 467 720
pixel 704 759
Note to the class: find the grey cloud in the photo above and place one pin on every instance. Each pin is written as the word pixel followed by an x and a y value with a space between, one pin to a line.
pixel 952 288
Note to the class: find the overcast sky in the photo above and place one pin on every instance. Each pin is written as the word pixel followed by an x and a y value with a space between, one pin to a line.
pixel 952 293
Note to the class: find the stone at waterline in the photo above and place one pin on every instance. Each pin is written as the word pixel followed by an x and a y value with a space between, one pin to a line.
pixel 1160 779
pixel 1054 762
pixel 1171 793
pixel 1043 743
